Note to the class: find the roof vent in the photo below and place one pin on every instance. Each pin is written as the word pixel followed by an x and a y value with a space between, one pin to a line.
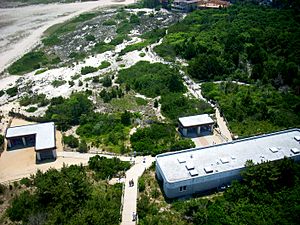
pixel 295 150
pixel 208 169
pixel 274 149
pixel 181 160
pixel 297 138
pixel 193 173
pixel 224 160
pixel 190 166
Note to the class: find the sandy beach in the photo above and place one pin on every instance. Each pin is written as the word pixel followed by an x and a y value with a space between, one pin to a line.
pixel 21 28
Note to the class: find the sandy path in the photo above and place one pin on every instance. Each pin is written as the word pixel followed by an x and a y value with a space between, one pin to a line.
pixel 21 28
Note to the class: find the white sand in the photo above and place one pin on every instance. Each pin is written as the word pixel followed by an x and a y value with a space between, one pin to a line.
pixel 21 28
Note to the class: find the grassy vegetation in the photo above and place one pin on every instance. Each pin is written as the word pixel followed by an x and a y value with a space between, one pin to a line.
pixel 127 102
pixel 104 64
pixel 150 38
pixel 39 99
pixel 69 26
pixel 119 39
pixel 106 131
pixel 31 109
pixel 137 46
pixel 57 83
pixel 252 110
pixel 88 69
pixel 158 138
pixel 32 61
pixel 109 22
pixel 78 56
pixel 13 91
pixel 41 71
pixel 267 195
pixel 142 54
pixel 152 79
pixel 101 47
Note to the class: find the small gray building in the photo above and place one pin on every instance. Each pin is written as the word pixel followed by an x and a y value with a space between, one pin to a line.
pixel 40 136
pixel 199 125
pixel 201 169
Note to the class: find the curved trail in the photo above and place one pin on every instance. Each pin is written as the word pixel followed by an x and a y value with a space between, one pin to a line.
pixel 21 28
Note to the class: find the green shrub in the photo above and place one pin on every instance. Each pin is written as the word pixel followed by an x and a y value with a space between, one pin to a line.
pixel 106 81
pixel 13 91
pixel 29 62
pixel 41 71
pixel 101 47
pixel 142 54
pixel 78 55
pixel 142 185
pixel 51 40
pixel 39 99
pixel 90 37
pixel 141 101
pixel 152 79
pixel 57 83
pixel 107 168
pixel 109 22
pixel 31 109
pixel 26 181
pixel 83 148
pixel 71 141
pixel 104 64
pixel 119 39
pixel 88 69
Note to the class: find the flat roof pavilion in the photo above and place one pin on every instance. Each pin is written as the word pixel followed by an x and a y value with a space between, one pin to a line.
pixel 44 134
pixel 198 120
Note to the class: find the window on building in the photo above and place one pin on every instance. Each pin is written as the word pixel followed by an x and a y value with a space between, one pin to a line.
pixel 182 188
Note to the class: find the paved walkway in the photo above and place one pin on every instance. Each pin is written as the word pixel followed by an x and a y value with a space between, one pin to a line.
pixel 224 131
pixel 195 90
pixel 130 193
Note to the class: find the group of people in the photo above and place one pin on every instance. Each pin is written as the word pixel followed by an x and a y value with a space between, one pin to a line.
pixel 131 183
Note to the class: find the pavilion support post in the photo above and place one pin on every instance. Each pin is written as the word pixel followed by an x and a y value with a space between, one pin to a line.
pixel 184 131
pixel 8 143
pixel 38 156
pixel 198 130
pixel 24 141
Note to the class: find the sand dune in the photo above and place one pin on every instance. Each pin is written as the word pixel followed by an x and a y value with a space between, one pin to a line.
pixel 21 28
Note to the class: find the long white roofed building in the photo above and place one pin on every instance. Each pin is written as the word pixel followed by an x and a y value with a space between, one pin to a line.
pixel 200 169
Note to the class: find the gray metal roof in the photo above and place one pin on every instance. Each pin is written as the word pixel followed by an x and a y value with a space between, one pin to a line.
pixel 45 134
pixel 197 120
pixel 229 156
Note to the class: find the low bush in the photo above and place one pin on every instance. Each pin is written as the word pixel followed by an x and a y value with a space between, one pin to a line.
pixel 57 83
pixel 88 69
pixel 104 64
pixel 13 91
pixel 71 141
pixel 31 109
pixel 109 22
